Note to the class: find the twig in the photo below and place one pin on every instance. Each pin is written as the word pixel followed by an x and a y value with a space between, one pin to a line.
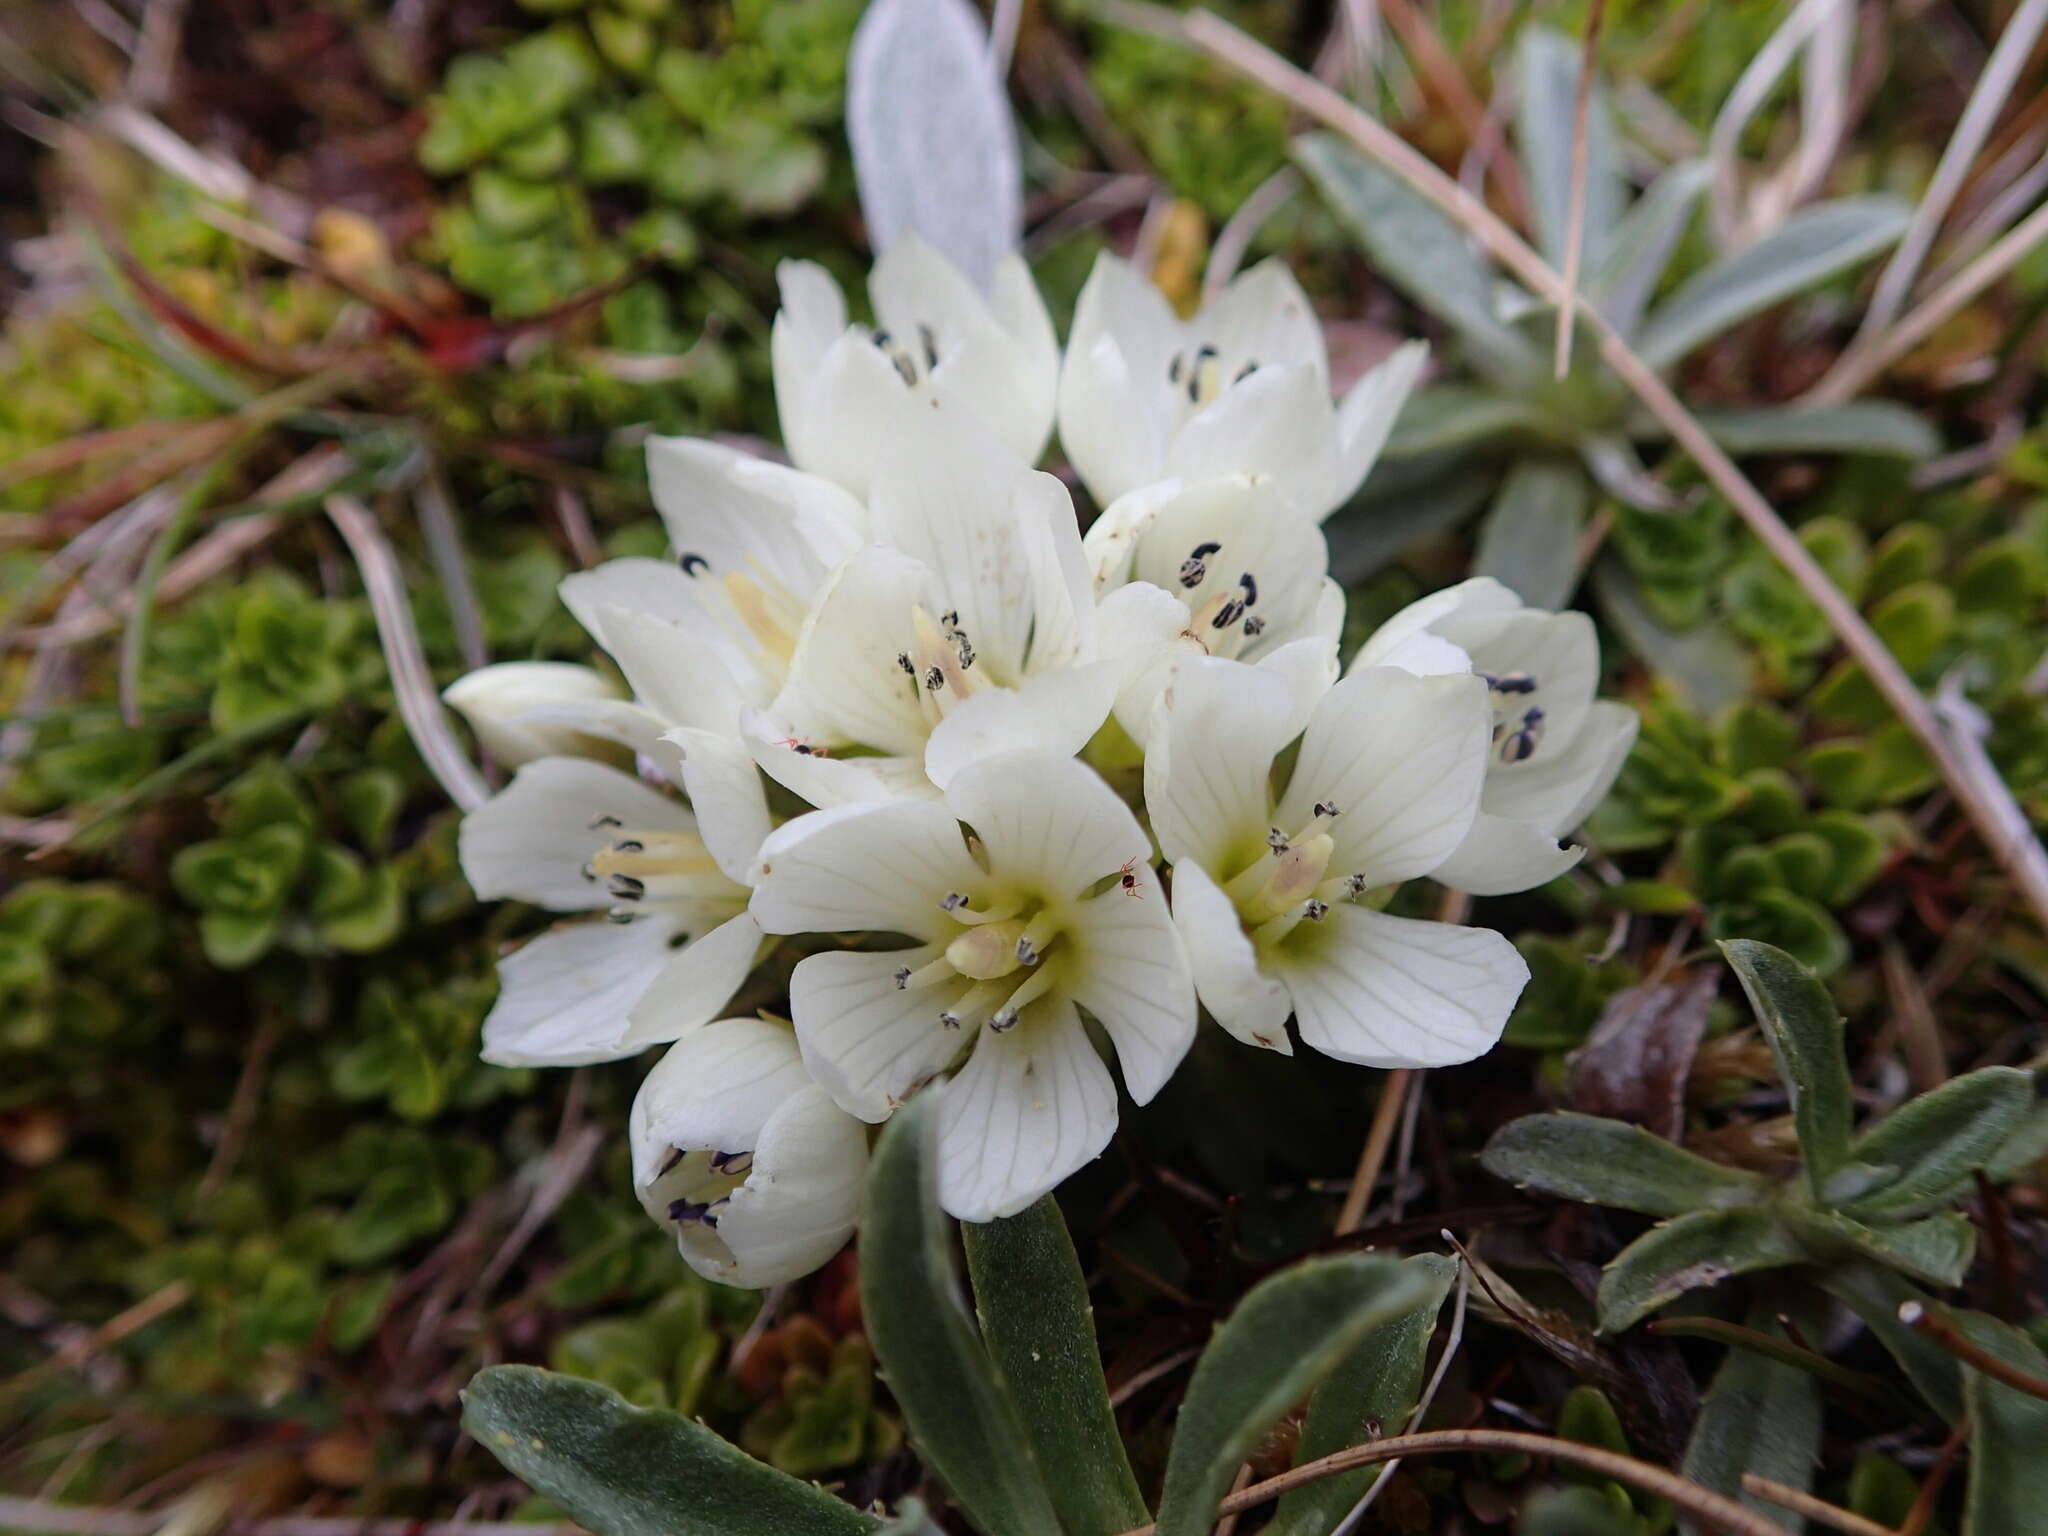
pixel 241 1108
pixel 1228 1524
pixel 1813 1509
pixel 1752 88
pixel 1937 1477
pixel 116 1328
pixel 1857 1384
pixel 444 547
pixel 29 1516
pixel 1152 1373
pixel 1914 1315
pixel 1379 1137
pixel 1701 1503
pixel 1575 218
pixel 1919 1030
pixel 1226 254
pixel 1989 803
pixel 418 703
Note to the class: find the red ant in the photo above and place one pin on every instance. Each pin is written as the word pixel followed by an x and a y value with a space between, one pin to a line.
pixel 802 748
pixel 1128 878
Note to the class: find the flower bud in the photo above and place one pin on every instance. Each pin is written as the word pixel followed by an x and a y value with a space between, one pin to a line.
pixel 495 700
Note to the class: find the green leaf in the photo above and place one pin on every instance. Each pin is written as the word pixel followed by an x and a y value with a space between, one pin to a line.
pixel 1439 417
pixel 626 1471
pixel 1689 1253
pixel 1882 428
pixel 1935 1250
pixel 1529 540
pixel 1285 1337
pixel 2008 1428
pixel 1643 242
pixel 1761 1416
pixel 1578 1512
pixel 1809 247
pixel 1875 1294
pixel 1418 250
pixel 1708 664
pixel 1370 1393
pixel 1037 1323
pixel 1936 1141
pixel 1799 1019
pixel 965 1425
pixel 1610 1162
pixel 1547 65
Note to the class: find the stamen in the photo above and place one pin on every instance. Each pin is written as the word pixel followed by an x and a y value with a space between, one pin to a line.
pixel 927 975
pixel 1254 627
pixel 1202 375
pixel 1510 682
pixel 1277 840
pixel 1005 1018
pixel 1315 911
pixel 1245 372
pixel 626 887
pixel 931 346
pixel 903 661
pixel 974 1006
pixel 694 565
pixel 1228 614
pixel 934 680
pixel 1250 586
pixel 675 1155
pixel 953 901
pixel 1520 744
pixel 1195 569
pixel 1326 808
pixel 735 1164
pixel 1173 369
pixel 604 822
pixel 1038 938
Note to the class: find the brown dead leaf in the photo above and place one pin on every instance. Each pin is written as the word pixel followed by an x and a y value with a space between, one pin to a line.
pixel 1635 1064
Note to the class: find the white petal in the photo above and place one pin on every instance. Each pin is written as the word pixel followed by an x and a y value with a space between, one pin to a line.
pixel 1610 728
pixel 1559 788
pixel 1050 820
pixel 860 867
pixel 1276 424
pixel 498 702
pixel 1208 764
pixel 1054 712
pixel 1306 668
pixel 654 587
pixel 1142 631
pixel 812 317
pixel 1398 992
pixel 713 1092
pixel 1256 534
pixel 1367 416
pixel 1263 317
pixel 725 789
pixel 1115 411
pixel 799 1205
pixel 1029 1108
pixel 1240 997
pixel 830 781
pixel 564 997
pixel 1402 758
pixel 1499 856
pixel 1479 595
pixel 845 684
pixel 869 1043
pixel 696 983
pixel 1130 971
pixel 631 725
pixel 1020 310
pixel 748 515
pixel 1111 543
pixel 530 841
pixel 688 678
pixel 848 411
pixel 1556 653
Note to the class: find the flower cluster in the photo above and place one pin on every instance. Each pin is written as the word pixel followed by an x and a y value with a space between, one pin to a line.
pixel 1003 778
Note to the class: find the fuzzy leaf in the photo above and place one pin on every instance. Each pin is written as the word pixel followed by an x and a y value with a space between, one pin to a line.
pixel 1371 1392
pixel 1710 667
pixel 1546 117
pixel 1761 1415
pixel 1610 1162
pixel 1689 1253
pixel 1418 250
pixel 1875 1295
pixel 1811 246
pixel 626 1471
pixel 964 1423
pixel 1442 417
pixel 1038 1325
pixel 1285 1337
pixel 1799 1019
pixel 2008 1428
pixel 1880 428
pixel 1935 1250
pixel 934 142
pixel 1643 242
pixel 1529 539
pixel 1935 1142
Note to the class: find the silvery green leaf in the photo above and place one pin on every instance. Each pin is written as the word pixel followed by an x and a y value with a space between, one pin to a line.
pixel 1284 1338
pixel 961 1419
pixel 1529 539
pixel 1808 248
pixel 1937 1141
pixel 1040 1330
pixel 1444 416
pixel 2008 1429
pixel 625 1471
pixel 1689 1253
pixel 1878 428
pixel 1546 113
pixel 1874 1294
pixel 1643 242
pixel 1804 1028
pixel 2027 1145
pixel 1370 1393
pixel 1420 251
pixel 1935 1250
pixel 1406 500
pixel 1613 1163
pixel 1708 664
pixel 1760 1415
pixel 934 142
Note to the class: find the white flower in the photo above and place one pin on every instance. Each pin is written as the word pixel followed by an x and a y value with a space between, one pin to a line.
pixel 1048 904
pixel 1220 568
pixel 966 630
pixel 1242 388
pixel 500 701
pixel 749 1164
pixel 1556 748
pixel 1268 895
pixel 576 836
pixel 842 389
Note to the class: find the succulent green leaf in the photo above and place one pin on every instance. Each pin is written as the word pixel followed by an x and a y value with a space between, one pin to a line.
pixel 1936 1141
pixel 1418 250
pixel 1613 1163
pixel 1371 1392
pixel 1547 66
pixel 1689 1253
pixel 1579 1511
pixel 1643 242
pixel 2008 1428
pixel 1529 539
pixel 1808 248
pixel 1799 1019
pixel 1709 665
pixel 1881 428
pixel 626 1471
pixel 1760 1415
pixel 964 1422
pixel 1285 1337
pixel 1036 1321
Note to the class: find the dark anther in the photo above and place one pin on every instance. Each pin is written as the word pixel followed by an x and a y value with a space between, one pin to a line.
pixel 1228 614
pixel 902 977
pixel 903 661
pixel 694 565
pixel 1254 626
pixel 931 346
pixel 1245 372
pixel 934 680
pixel 1250 587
